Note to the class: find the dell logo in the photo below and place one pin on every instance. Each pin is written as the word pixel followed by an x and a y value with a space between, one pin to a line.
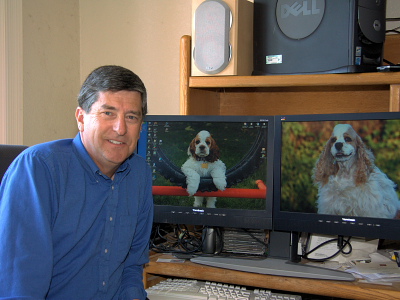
pixel 298 19
pixel 296 9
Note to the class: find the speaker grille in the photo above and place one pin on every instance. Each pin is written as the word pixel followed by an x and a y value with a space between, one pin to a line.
pixel 212 25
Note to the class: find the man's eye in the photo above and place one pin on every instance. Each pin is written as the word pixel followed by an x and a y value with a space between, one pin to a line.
pixel 108 113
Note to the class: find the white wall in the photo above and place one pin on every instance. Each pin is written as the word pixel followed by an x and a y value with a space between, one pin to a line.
pixel 143 36
pixel 50 69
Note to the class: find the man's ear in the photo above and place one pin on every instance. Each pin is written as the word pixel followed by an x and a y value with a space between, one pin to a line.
pixel 79 116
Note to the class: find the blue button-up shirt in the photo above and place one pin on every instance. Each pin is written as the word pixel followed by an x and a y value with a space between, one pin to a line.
pixel 69 232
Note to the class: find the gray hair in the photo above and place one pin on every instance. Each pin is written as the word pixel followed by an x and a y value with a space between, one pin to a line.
pixel 113 79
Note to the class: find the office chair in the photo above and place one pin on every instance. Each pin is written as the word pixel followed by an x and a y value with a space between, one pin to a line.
pixel 7 154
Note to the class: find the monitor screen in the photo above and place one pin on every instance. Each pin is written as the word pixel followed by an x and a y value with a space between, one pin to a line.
pixel 338 174
pixel 210 170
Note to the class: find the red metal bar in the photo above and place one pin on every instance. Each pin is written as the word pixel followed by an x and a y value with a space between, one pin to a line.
pixel 228 193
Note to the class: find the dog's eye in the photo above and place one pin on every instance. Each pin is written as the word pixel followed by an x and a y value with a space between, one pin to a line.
pixel 347 139
pixel 197 142
pixel 333 140
pixel 208 142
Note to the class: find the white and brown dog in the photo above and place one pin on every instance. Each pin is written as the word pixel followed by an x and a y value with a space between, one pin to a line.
pixel 204 161
pixel 349 183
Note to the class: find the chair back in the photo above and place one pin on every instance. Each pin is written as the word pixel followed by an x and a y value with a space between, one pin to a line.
pixel 7 154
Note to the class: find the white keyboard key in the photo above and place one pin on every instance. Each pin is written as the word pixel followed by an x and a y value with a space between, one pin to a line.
pixel 188 289
pixel 176 295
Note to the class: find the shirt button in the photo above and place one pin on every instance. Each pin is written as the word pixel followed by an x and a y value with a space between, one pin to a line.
pixel 106 251
pixel 112 187
pixel 104 283
pixel 111 219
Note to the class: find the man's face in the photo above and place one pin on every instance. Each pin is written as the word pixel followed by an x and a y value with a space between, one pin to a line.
pixel 111 129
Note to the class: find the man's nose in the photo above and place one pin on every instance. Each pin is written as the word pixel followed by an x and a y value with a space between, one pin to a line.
pixel 120 126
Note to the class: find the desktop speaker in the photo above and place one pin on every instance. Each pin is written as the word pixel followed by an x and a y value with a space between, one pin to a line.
pixel 318 36
pixel 222 37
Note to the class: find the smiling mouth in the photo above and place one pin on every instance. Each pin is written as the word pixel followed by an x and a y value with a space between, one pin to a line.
pixel 115 142
pixel 342 155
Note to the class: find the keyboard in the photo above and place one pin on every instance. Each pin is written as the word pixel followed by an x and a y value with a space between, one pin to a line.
pixel 188 289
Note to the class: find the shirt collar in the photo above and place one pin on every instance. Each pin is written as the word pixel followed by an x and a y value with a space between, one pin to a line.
pixel 88 162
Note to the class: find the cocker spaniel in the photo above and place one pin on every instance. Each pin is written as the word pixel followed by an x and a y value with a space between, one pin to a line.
pixel 204 161
pixel 349 183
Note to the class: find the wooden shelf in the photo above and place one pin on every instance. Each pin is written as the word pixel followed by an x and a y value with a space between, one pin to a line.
pixel 288 94
pixel 355 79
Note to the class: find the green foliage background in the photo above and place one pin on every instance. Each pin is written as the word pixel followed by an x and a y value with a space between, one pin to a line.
pixel 304 141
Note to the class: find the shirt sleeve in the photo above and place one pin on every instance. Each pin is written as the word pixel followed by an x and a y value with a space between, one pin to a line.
pixel 132 277
pixel 25 234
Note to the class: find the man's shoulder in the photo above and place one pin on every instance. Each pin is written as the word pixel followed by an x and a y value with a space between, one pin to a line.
pixel 57 148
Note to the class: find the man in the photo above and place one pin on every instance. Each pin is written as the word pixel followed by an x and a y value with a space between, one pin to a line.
pixel 76 214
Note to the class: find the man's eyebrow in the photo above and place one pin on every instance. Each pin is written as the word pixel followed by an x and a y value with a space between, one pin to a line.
pixel 110 107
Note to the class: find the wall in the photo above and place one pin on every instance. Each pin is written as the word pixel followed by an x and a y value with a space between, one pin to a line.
pixel 143 36
pixel 50 69
pixel 64 40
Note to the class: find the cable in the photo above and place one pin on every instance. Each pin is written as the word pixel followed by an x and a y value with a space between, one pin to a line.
pixel 341 245
pixel 179 239
pixel 389 62
pixel 394 30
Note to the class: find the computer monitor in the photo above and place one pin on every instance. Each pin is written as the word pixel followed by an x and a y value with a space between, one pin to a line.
pixel 333 174
pixel 232 190
pixel 338 174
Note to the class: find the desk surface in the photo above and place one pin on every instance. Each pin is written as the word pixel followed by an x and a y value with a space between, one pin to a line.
pixel 347 290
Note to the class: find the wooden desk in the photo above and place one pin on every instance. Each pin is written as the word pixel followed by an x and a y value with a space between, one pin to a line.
pixel 158 271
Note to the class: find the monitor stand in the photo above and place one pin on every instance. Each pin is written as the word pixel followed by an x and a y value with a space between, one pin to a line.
pixel 273 266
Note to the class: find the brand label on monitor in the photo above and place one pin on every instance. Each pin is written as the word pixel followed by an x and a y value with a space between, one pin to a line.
pixel 299 19
pixel 273 59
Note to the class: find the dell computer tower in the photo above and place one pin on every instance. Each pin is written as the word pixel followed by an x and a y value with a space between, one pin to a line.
pixel 318 36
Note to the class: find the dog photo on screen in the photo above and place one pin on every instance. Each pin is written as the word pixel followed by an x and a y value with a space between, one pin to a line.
pixel 204 160
pixel 207 157
pixel 348 180
pixel 343 168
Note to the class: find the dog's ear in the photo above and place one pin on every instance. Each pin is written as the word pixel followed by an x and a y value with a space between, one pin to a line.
pixel 365 162
pixel 214 154
pixel 192 148
pixel 325 166
pixel 214 151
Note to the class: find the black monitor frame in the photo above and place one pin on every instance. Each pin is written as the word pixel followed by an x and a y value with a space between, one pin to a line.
pixel 328 224
pixel 220 217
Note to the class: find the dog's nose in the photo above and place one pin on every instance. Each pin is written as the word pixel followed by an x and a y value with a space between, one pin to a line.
pixel 202 147
pixel 339 146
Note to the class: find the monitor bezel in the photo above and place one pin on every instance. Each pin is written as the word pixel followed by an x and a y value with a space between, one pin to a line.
pixel 220 217
pixel 328 224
